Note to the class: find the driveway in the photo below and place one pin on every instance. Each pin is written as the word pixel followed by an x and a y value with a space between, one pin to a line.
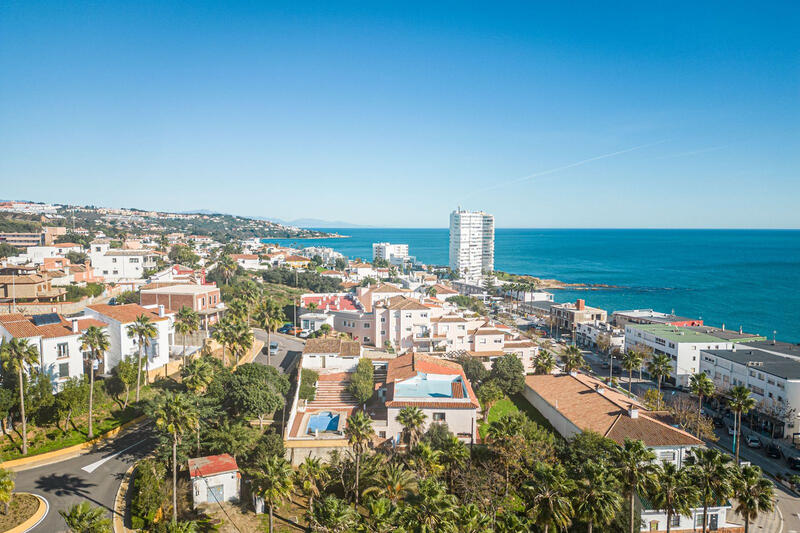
pixel 289 350
pixel 93 477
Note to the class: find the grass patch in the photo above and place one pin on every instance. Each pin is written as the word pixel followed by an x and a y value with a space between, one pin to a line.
pixel 22 507
pixel 508 406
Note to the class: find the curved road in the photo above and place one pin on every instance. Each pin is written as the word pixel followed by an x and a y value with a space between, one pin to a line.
pixel 93 477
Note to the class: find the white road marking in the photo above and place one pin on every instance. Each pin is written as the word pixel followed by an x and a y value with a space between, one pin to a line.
pixel 97 464
pixel 46 510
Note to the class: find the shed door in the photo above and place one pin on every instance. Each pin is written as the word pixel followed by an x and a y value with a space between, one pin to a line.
pixel 215 494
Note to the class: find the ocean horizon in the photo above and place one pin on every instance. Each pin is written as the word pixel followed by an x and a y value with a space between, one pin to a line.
pixel 745 278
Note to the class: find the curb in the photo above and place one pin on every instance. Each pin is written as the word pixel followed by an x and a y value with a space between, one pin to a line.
pixel 24 463
pixel 34 520
pixel 119 507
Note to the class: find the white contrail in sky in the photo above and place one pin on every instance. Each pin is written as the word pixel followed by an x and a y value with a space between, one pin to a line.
pixel 693 152
pixel 559 169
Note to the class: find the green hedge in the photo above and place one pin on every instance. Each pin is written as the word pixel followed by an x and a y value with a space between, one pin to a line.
pixel 307 380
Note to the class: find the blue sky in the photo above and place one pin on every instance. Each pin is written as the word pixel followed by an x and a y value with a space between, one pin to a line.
pixel 393 114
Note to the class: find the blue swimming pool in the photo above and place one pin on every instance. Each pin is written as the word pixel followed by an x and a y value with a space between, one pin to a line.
pixel 325 421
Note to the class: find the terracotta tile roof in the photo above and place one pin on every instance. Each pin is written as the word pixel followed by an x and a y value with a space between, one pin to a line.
pixel 487 353
pixel 236 257
pixel 296 259
pixel 22 280
pixel 342 347
pixel 387 288
pixel 457 390
pixel 489 331
pixel 444 289
pixel 577 399
pixel 66 245
pixel 449 319
pixel 519 344
pixel 127 313
pixel 22 327
pixel 401 303
pixel 84 323
pixel 211 465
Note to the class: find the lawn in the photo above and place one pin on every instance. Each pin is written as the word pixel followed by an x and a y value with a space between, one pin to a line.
pixel 22 507
pixel 512 405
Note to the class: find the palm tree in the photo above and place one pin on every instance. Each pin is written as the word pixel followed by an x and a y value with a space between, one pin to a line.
pixel 630 362
pixel 222 334
pixel 240 339
pixel 311 476
pixel 95 341
pixel 547 497
pixel 174 414
pixel 659 367
pixel 636 472
pixel 6 488
pixel 426 461
pixel 249 293
pixel 382 516
pixel 16 354
pixel 454 455
pixel 434 509
pixel 674 492
pixel 544 362
pixel 227 267
pixel 702 387
pixel 332 515
pixel 359 433
pixel 273 482
pixel 740 402
pixel 596 496
pixel 237 309
pixel 393 482
pixel 269 316
pixel 186 321
pixel 196 377
pixel 712 474
pixel 573 359
pixel 753 493
pixel 413 421
pixel 143 330
pixel 83 518
pixel 472 520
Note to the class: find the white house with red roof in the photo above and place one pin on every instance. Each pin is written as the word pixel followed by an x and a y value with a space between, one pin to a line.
pixel 247 261
pixel 119 317
pixel 215 479
pixel 437 387
pixel 56 338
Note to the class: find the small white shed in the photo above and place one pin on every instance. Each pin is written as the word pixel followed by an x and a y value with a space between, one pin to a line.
pixel 215 479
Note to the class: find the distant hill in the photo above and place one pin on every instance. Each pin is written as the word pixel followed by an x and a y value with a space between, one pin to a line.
pixel 316 223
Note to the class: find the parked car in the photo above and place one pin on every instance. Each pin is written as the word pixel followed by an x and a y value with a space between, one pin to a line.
pixel 305 333
pixel 771 450
pixel 285 328
pixel 718 422
pixel 731 432
pixel 753 442
pixel 794 461
pixel 294 331
pixel 273 348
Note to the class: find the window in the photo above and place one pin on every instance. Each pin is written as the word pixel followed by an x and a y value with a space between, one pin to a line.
pixel 105 271
pixel 383 332
pixel 366 325
pixel 113 259
pixel 408 315
pixel 675 521
pixel 63 349
pixel 667 456
pixel 438 417
pixel 63 370
pixel 423 315
pixel 134 259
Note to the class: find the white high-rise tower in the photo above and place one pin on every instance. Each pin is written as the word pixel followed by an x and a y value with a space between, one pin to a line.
pixel 471 243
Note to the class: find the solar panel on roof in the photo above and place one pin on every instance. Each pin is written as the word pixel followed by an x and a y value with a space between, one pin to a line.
pixel 46 319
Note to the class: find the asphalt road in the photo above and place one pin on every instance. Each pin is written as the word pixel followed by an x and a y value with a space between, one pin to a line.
pixel 289 350
pixel 93 477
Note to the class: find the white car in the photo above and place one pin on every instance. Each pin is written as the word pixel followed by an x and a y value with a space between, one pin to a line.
pixel 305 333
pixel 753 442
pixel 273 348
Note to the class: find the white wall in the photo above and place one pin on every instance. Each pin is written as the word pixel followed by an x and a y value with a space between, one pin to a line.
pixel 230 487
pixel 330 362
pixel 458 421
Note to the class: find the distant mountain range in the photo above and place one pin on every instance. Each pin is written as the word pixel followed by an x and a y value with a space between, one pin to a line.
pixel 298 223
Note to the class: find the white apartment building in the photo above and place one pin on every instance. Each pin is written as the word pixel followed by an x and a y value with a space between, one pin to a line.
pixel 773 378
pixel 395 254
pixel 683 345
pixel 471 243
pixel 588 334
pixel 37 254
pixel 56 339
pixel 116 264
pixel 118 318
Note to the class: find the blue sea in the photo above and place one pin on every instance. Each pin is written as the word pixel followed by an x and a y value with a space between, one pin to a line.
pixel 748 278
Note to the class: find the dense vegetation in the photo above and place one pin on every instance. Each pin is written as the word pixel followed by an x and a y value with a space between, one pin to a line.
pixel 309 280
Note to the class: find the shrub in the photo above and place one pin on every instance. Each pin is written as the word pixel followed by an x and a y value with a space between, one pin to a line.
pixel 308 378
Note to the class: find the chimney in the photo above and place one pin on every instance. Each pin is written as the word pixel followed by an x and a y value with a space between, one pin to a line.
pixel 633 412
pixel 580 304
pixel 74 326
pixel 161 311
